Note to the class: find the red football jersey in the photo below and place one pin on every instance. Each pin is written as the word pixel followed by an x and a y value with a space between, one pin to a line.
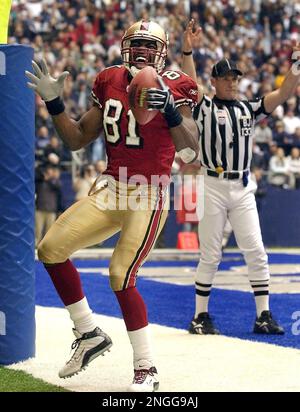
pixel 146 150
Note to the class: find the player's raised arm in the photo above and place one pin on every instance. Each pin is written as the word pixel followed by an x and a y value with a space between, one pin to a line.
pixel 188 66
pixel 74 134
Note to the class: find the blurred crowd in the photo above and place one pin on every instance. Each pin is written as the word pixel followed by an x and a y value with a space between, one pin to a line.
pixel 83 37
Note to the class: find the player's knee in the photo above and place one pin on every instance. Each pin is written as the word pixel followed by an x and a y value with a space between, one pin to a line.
pixel 42 251
pixel 49 253
pixel 116 283
pixel 116 276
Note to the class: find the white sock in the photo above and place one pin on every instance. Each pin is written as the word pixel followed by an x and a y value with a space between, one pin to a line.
pixel 202 297
pixel 82 316
pixel 142 349
pixel 262 303
pixel 201 304
pixel 261 294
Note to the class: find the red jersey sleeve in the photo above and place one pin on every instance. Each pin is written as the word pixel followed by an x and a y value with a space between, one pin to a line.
pixel 183 88
pixel 99 87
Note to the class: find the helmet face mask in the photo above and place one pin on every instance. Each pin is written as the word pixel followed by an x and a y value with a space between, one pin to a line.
pixel 144 44
pixel 142 53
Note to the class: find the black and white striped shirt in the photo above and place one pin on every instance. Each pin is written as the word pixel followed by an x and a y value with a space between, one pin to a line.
pixel 226 131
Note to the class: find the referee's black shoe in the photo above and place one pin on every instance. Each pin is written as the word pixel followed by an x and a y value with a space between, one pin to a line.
pixel 203 325
pixel 265 324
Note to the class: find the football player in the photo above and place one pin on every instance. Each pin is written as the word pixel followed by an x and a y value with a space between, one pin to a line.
pixel 139 164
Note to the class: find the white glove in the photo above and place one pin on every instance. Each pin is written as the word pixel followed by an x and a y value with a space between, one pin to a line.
pixel 45 85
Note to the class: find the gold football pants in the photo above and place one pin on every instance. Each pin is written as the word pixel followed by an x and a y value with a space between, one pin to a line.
pixel 111 209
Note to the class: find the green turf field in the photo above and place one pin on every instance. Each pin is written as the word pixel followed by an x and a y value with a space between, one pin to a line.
pixel 18 381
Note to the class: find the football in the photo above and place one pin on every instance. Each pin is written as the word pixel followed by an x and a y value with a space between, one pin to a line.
pixel 137 93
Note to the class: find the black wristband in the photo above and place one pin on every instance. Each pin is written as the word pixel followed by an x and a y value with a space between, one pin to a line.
pixel 187 53
pixel 55 106
pixel 173 117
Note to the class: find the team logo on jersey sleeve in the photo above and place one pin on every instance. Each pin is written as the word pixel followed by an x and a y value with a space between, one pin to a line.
pixel 193 92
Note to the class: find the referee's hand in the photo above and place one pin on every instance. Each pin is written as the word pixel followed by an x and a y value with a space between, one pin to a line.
pixel 296 59
pixel 191 35
pixel 45 85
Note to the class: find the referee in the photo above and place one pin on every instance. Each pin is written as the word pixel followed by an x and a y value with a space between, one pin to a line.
pixel 226 127
pixel 226 133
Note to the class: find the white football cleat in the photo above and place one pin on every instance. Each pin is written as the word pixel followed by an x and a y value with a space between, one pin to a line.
pixel 87 347
pixel 144 380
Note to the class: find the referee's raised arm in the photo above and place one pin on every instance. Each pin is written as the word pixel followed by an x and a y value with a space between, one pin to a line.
pixel 191 35
pixel 288 87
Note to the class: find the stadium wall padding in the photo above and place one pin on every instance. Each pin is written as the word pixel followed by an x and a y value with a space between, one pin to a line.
pixel 17 276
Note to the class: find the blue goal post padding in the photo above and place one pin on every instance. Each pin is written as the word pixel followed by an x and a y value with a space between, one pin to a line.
pixel 17 290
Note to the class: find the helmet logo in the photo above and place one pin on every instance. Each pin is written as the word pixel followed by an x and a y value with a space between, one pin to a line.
pixel 145 25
